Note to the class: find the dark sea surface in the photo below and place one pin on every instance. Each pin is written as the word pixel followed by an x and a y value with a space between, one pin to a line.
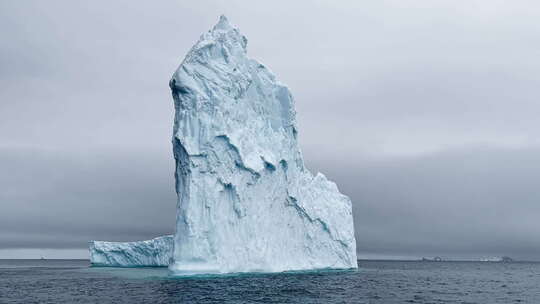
pixel 72 281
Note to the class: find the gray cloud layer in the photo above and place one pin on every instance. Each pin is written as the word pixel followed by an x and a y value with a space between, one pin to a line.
pixel 424 112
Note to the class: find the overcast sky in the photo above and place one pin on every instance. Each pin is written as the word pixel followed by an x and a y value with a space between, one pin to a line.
pixel 426 113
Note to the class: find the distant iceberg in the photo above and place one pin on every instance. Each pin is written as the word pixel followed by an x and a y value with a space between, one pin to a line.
pixel 154 252
pixel 504 259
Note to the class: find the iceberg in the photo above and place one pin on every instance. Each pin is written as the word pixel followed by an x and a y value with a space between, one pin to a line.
pixel 246 202
pixel 154 252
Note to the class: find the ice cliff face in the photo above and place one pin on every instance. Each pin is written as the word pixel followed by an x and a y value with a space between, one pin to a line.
pixel 246 202
pixel 154 252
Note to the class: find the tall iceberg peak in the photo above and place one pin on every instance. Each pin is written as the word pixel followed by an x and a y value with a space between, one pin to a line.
pixel 246 202
pixel 223 24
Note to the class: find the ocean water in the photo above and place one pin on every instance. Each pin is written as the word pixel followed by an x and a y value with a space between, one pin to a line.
pixel 72 281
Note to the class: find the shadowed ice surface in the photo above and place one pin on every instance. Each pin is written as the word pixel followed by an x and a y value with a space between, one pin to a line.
pixel 68 281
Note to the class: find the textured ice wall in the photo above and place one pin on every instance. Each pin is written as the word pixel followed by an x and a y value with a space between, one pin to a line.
pixel 154 252
pixel 246 202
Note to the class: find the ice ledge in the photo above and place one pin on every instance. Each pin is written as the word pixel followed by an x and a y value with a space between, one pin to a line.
pixel 151 253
